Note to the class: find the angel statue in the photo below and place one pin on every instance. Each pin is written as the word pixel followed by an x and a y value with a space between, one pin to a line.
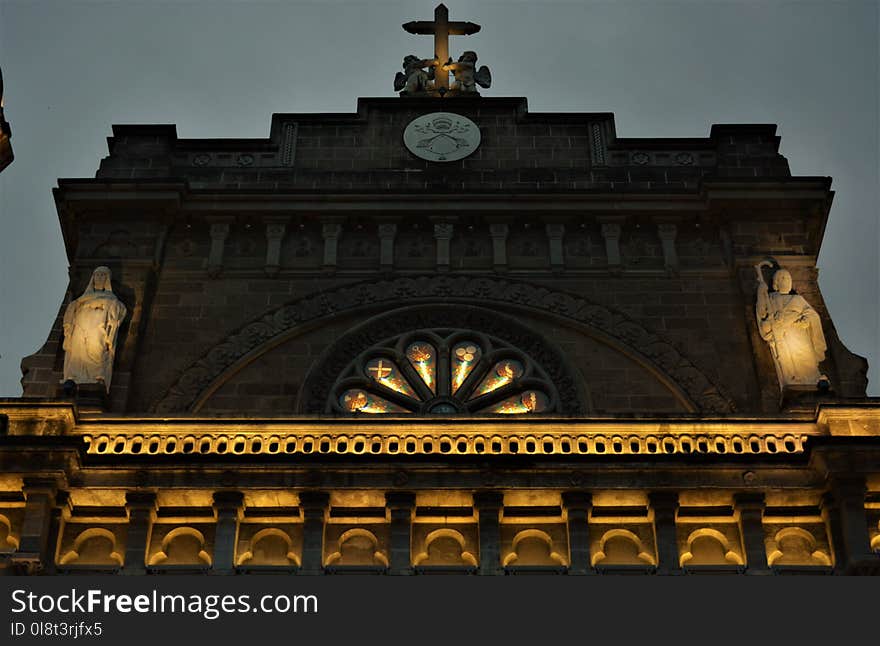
pixel 467 76
pixel 792 329
pixel 91 323
pixel 414 79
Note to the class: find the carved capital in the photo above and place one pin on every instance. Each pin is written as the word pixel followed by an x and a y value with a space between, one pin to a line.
pixel 581 500
pixel 275 230
pixel 664 504
pixel 386 230
pixel 311 501
pixel 611 230
pixel 331 230
pixel 443 231
pixel 750 501
pixel 228 499
pixel 555 231
pixel 488 500
pixel 141 500
pixel 666 231
pixel 498 230
pixel 219 230
pixel 400 500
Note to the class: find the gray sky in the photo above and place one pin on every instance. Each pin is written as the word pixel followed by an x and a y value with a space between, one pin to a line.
pixel 219 69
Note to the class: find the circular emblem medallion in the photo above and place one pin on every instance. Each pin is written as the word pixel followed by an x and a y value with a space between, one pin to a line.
pixel 441 137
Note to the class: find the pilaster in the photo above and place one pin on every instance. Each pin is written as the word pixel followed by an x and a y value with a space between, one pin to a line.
pixel 228 507
pixel 488 505
pixel 664 505
pixel 750 507
pixel 401 505
pixel 141 507
pixel 577 506
pixel 314 505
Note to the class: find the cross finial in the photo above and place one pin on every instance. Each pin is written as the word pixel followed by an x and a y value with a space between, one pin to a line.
pixel 442 29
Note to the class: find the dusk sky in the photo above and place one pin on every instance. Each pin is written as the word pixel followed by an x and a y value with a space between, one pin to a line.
pixel 72 69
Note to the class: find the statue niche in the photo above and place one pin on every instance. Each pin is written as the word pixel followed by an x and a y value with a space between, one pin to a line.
pixel 91 324
pixel 793 330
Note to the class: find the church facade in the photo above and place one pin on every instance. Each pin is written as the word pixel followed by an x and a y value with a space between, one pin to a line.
pixel 442 334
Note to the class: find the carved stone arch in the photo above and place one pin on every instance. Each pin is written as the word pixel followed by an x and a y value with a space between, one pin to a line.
pixel 250 557
pixel 726 551
pixel 615 328
pixel 110 554
pixel 448 536
pixel 323 376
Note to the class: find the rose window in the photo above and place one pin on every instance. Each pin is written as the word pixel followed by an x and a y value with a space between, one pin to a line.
pixel 444 372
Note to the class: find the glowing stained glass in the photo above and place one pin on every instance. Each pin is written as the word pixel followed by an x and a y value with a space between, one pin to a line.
pixel 423 358
pixel 464 358
pixel 360 401
pixel 386 373
pixel 531 401
pixel 501 374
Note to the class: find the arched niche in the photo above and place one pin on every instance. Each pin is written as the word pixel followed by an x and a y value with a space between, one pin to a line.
pixel 652 353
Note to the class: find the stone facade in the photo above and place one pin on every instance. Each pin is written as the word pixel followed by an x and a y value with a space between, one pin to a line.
pixel 621 270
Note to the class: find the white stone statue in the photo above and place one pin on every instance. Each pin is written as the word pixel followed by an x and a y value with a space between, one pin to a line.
pixel 91 323
pixel 793 330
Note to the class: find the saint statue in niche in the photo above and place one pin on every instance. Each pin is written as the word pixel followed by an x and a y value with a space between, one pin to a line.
pixel 793 330
pixel 91 323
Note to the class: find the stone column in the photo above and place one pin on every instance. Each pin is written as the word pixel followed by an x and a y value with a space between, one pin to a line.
pixel 219 233
pixel 498 233
pixel 844 511
pixel 611 233
pixel 401 504
pixel 141 507
pixel 751 514
pixel 664 504
pixel 387 233
pixel 34 549
pixel 666 231
pixel 488 505
pixel 443 236
pixel 555 233
pixel 275 230
pixel 228 506
pixel 577 505
pixel 314 505
pixel 331 231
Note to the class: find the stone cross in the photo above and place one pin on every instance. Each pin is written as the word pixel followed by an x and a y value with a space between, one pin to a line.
pixel 442 29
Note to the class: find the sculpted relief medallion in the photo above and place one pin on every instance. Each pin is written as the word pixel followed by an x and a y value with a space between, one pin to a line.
pixel 441 137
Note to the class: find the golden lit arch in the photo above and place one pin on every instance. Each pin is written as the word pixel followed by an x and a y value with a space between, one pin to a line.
pixel 533 535
pixel 160 557
pixel 466 558
pixel 731 557
pixel 619 534
pixel 351 536
pixel 269 533
pixel 779 548
pixel 93 533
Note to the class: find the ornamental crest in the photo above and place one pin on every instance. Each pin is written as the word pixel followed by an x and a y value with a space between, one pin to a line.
pixel 441 136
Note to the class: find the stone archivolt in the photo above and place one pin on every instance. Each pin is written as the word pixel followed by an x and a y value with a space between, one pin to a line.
pixel 612 326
